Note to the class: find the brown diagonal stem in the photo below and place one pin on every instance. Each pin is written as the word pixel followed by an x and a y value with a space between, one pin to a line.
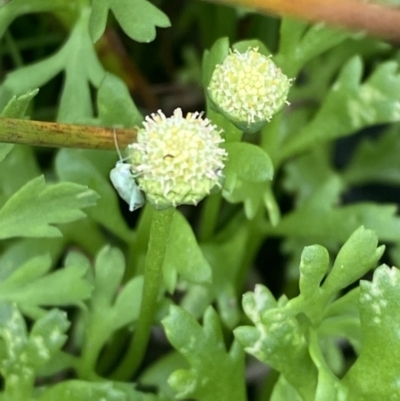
pixel 41 133
pixel 356 15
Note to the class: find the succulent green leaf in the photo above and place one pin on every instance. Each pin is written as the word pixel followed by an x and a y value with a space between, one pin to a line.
pixel 47 337
pixel 313 267
pixel 183 256
pixel 158 372
pixel 115 307
pixel 43 206
pixel 127 305
pixel 375 374
pixel 98 19
pixel 215 373
pixel 247 171
pixel 138 18
pixel 25 354
pixel 108 272
pixel 359 254
pixel 115 105
pixel 278 339
pixel 253 195
pixel 247 162
pixel 30 286
pixel 350 106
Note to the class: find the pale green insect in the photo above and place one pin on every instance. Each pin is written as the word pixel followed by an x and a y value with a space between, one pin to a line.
pixel 124 181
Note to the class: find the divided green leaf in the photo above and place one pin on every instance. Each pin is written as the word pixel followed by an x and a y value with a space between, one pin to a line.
pixel 138 18
pixel 214 373
pixel 43 205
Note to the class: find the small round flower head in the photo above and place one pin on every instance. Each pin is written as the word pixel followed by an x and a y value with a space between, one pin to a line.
pixel 248 88
pixel 177 160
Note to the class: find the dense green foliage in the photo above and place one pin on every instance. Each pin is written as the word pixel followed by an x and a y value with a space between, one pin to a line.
pixel 72 268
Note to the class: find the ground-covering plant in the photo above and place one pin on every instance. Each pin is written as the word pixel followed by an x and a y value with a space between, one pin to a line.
pixel 150 284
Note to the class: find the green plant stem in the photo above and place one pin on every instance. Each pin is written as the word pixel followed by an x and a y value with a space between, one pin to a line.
pixel 41 133
pixel 255 236
pixel 159 235
pixel 271 137
pixel 209 216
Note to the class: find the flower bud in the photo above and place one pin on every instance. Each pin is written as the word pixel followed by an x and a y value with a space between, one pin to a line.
pixel 177 160
pixel 248 89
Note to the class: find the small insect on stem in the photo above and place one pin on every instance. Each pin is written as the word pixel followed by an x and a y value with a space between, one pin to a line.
pixel 124 182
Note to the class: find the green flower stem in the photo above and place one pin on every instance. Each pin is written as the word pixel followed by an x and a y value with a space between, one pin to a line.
pixel 159 235
pixel 271 138
pixel 41 133
pixel 209 218
pixel 255 237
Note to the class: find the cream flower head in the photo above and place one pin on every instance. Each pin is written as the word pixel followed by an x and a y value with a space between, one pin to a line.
pixel 248 88
pixel 177 160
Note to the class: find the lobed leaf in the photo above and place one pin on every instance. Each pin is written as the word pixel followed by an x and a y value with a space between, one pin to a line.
pixel 36 207
pixel 92 168
pixel 374 375
pixel 78 59
pixel 278 339
pixel 25 354
pixel 247 172
pixel 358 255
pixel 110 308
pixel 138 18
pixel 31 286
pixel 183 256
pixel 115 105
pixel 214 373
pixel 351 106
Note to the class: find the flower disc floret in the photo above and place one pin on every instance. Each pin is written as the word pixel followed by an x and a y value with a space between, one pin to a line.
pixel 177 160
pixel 248 87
